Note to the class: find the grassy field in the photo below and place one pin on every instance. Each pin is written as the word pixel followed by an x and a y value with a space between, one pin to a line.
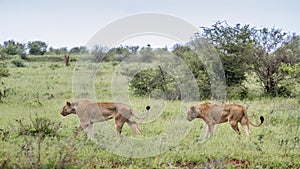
pixel 33 134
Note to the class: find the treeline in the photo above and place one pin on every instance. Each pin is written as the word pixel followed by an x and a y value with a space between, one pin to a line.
pixel 11 47
pixel 270 56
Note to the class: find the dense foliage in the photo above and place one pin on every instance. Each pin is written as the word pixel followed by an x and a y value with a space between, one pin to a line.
pixel 37 48
pixel 242 49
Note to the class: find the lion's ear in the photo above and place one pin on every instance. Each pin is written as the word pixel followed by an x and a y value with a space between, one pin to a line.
pixel 68 103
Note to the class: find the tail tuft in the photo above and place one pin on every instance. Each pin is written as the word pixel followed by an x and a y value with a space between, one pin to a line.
pixel 262 119
pixel 147 108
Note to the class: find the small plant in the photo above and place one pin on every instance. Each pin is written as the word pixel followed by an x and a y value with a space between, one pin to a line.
pixel 39 126
pixel 157 83
pixel 3 73
pixel 3 69
pixel 18 62
pixel 54 66
pixel 238 92
pixel 4 135
pixel 23 56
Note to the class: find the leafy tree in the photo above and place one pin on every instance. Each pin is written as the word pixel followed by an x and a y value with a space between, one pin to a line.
pixel 79 50
pixel 83 50
pixel 13 48
pixel 117 54
pixel 99 53
pixel 242 49
pixel 274 48
pixel 146 53
pixel 288 86
pixel 75 50
pixel 155 82
pixel 62 50
pixel 37 47
pixel 196 66
pixel 234 46
pixel 133 49
pixel 51 51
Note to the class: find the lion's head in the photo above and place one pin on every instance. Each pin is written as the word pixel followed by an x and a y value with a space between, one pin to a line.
pixel 198 111
pixel 192 113
pixel 69 108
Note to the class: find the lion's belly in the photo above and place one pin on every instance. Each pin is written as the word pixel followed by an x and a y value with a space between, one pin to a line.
pixel 99 118
pixel 218 114
pixel 97 115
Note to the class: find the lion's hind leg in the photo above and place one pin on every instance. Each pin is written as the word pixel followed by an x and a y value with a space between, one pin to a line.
pixel 234 126
pixel 134 126
pixel 245 125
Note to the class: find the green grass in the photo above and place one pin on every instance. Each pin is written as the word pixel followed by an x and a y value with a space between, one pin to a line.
pixel 40 89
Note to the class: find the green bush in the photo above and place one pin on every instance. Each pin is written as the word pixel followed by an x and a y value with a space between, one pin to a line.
pixel 290 86
pixel 23 56
pixel 156 83
pixel 3 70
pixel 39 126
pixel 18 62
pixel 238 92
pixel 54 66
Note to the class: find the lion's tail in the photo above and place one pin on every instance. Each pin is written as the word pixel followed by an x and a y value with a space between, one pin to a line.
pixel 261 122
pixel 255 125
pixel 144 116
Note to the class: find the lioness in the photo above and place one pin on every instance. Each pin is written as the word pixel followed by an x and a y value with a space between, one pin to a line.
pixel 91 112
pixel 214 114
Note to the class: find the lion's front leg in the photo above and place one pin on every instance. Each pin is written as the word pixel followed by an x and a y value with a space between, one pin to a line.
pixel 119 125
pixel 83 125
pixel 79 128
pixel 91 130
pixel 209 130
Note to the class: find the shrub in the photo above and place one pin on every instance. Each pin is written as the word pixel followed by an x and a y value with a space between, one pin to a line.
pixel 3 73
pixel 3 70
pixel 39 126
pixel 18 62
pixel 289 86
pixel 157 83
pixel 237 92
pixel 54 66
pixel 23 56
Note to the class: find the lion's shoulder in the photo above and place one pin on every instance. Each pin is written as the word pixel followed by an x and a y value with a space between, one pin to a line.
pixel 206 105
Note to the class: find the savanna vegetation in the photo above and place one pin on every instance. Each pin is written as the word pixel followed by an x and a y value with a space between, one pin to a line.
pixel 261 68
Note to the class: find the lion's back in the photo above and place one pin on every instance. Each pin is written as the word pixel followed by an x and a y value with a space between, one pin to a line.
pixel 236 109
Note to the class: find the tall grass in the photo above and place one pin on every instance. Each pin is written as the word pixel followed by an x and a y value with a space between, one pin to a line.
pixel 34 135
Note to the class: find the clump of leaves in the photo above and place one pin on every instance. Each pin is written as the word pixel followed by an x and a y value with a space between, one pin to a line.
pixel 4 134
pixel 3 70
pixel 18 62
pixel 39 126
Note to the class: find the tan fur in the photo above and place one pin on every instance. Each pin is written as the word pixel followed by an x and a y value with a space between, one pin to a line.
pixel 214 114
pixel 92 112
